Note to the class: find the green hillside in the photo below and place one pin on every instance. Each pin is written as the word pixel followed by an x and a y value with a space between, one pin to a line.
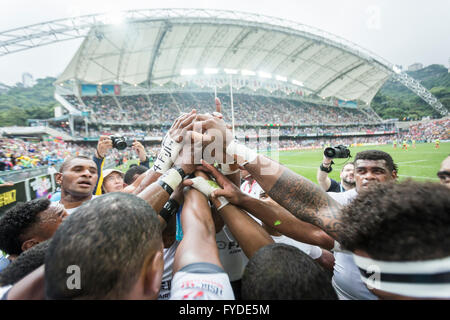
pixel 394 100
pixel 19 104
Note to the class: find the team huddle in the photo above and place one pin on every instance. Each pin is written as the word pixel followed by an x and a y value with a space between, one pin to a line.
pixel 213 219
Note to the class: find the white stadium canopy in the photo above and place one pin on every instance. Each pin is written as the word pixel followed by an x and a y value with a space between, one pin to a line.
pixel 156 46
pixel 170 47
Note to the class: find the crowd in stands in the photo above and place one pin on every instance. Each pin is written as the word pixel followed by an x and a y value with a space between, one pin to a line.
pixel 428 131
pixel 164 108
pixel 18 154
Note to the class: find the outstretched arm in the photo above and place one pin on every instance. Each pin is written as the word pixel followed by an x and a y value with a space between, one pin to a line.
pixel 199 235
pixel 323 179
pixel 247 232
pixel 298 195
pixel 271 213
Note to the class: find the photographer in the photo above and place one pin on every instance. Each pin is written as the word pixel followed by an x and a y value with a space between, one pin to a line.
pixel 106 143
pixel 347 172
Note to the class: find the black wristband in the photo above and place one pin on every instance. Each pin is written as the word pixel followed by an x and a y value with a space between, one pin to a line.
pixel 166 187
pixel 170 208
pixel 180 171
pixel 325 169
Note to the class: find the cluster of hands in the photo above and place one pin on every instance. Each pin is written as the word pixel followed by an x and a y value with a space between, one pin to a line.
pixel 196 133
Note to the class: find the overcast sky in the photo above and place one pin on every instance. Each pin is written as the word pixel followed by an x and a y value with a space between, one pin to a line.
pixel 401 31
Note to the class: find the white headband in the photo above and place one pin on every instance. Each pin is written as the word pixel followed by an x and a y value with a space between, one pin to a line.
pixel 419 279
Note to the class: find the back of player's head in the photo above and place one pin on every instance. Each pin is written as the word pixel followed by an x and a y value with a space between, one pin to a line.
pixel 18 221
pixel 282 272
pixel 107 239
pixel 24 264
pixel 406 221
pixel 377 155
pixel 130 175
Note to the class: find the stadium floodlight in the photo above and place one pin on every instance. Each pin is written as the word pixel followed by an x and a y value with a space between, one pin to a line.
pixel 248 73
pixel 281 78
pixel 211 71
pixel 266 75
pixel 297 83
pixel 188 72
pixel 231 71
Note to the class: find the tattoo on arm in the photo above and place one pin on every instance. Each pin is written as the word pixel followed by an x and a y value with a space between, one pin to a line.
pixel 306 201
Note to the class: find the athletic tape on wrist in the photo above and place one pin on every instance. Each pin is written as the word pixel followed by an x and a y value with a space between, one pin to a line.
pixel 226 171
pixel 167 155
pixel 207 187
pixel 172 178
pixel 418 279
pixel 244 154
pixel 171 147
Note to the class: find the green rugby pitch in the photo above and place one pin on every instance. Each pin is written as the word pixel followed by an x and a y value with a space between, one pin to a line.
pixel 420 164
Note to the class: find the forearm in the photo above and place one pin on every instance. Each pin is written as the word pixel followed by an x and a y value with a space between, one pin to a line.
pixel 284 222
pixel 304 199
pixel 144 180
pixel 323 180
pixel 199 236
pixel 234 177
pixel 248 233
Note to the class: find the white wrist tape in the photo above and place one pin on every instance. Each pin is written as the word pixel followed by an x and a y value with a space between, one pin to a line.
pixel 226 171
pixel 167 156
pixel 243 153
pixel 171 147
pixel 172 178
pixel 207 187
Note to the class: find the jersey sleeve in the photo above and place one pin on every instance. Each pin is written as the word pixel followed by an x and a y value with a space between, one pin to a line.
pixel 334 186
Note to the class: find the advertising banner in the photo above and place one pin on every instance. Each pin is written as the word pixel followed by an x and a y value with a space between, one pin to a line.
pixel 9 196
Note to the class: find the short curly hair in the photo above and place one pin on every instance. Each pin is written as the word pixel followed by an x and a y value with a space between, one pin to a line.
pixel 18 220
pixel 25 263
pixel 377 155
pixel 406 221
pixel 282 272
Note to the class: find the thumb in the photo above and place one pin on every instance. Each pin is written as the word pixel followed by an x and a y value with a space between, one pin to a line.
pixel 217 193
pixel 188 183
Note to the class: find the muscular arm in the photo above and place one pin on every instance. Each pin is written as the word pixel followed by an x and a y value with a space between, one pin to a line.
pixel 199 235
pixel 304 199
pixel 284 222
pixel 247 232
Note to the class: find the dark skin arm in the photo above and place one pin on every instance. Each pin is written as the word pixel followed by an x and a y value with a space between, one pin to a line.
pixel 304 199
pixel 248 233
pixel 271 213
pixel 199 234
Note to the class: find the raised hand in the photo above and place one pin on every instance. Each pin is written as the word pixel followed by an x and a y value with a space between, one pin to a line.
pixel 104 144
pixel 229 190
pixel 140 150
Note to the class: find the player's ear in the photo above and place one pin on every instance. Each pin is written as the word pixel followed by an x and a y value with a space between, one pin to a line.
pixel 394 174
pixel 58 178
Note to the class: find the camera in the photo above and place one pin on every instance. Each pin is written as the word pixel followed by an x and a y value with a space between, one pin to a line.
pixel 340 151
pixel 119 142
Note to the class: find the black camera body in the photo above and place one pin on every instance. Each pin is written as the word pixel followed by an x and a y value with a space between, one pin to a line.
pixel 340 151
pixel 119 142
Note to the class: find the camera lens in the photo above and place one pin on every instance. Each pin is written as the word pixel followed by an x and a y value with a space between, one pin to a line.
pixel 330 152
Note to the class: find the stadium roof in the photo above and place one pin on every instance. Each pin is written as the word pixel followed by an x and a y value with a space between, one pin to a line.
pixel 172 45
